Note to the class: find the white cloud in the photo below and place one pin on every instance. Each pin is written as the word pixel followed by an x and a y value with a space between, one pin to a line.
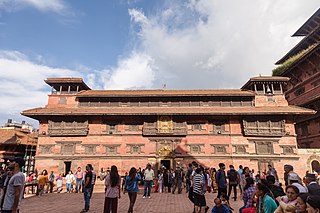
pixel 57 6
pixel 22 83
pixel 211 43
pixel 135 72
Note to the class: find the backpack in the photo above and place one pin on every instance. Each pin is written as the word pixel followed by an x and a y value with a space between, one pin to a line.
pixel 233 176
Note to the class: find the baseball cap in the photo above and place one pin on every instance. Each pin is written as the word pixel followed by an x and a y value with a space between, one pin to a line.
pixel 18 160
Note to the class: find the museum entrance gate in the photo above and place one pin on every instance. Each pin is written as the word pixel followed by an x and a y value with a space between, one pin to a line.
pixel 166 163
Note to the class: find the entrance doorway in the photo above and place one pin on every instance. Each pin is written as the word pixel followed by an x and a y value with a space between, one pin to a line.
pixel 165 163
pixel 315 165
pixel 67 166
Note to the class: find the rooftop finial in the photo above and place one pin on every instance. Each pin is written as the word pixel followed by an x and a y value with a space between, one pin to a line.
pixel 164 86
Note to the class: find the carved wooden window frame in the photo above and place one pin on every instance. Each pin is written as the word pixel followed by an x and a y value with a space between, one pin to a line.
pixel 269 144
pixel 239 147
pixel 288 149
pixel 112 149
pixel 133 147
pixel 90 149
pixel 195 148
pixel 66 128
pixel 218 147
pixel 46 148
pixel 64 148
pixel 257 128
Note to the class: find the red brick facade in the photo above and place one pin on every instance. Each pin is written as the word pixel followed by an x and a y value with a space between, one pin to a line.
pixel 253 126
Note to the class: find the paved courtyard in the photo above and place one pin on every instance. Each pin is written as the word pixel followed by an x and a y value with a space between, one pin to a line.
pixel 73 203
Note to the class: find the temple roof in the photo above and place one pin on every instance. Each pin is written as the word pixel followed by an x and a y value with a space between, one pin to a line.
pixel 14 136
pixel 57 82
pixel 301 57
pixel 75 111
pixel 264 79
pixel 313 38
pixel 310 25
pixel 154 93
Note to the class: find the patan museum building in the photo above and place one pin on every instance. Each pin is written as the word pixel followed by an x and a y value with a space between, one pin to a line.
pixel 252 126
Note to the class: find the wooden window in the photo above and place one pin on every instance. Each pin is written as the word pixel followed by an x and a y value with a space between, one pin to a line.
pixel 264 148
pixel 219 148
pixel 196 127
pixel 195 148
pixel 299 91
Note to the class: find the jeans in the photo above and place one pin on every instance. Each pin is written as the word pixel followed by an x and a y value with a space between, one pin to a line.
pixel 87 198
pixel 147 188
pixel 68 185
pixel 78 184
pixel 234 191
pixel 221 190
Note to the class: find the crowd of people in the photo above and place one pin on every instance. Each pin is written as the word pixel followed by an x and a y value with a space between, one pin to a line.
pixel 260 193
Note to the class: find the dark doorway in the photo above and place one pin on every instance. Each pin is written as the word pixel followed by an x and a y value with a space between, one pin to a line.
pixel 165 163
pixel 67 166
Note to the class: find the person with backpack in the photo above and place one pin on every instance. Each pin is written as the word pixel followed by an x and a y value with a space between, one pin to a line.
pixel 234 180
pixel 221 180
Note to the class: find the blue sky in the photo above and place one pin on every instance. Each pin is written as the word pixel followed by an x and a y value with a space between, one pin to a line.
pixel 140 44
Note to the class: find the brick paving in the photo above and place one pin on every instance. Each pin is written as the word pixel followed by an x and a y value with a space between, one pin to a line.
pixel 73 203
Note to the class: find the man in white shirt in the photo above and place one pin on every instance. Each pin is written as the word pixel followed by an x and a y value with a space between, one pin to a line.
pixel 15 187
pixel 148 179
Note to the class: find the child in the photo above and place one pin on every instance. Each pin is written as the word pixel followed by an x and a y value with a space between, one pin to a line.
pixel 225 201
pixel 59 183
pixel 219 207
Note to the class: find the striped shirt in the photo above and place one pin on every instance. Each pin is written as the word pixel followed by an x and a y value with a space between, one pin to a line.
pixel 248 196
pixel 197 184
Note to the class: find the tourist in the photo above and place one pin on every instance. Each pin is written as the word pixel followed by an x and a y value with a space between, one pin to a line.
pixel 276 190
pixel 69 180
pixel 14 187
pixel 248 194
pixel 240 171
pixel 221 180
pixel 188 182
pixel 208 180
pixel 234 180
pixel 272 171
pixel 313 204
pixel 194 167
pixel 148 179
pixel 9 174
pixel 112 183
pixel 132 187
pixel 312 185
pixel 287 204
pixel 165 180
pixel 93 180
pixel 290 174
pixel 178 178
pixel 213 180
pixel 301 205
pixel 42 181
pixel 51 182
pixel 265 203
pixel 87 188
pixel 198 192
pixel 59 182
pixel 160 181
pixel 295 180
pixel 78 176
pixel 225 201
pixel 123 184
pixel 219 207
